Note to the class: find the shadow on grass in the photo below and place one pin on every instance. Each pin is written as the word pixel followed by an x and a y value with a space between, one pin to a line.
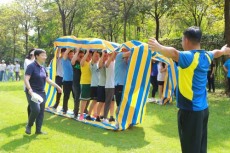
pixel 167 116
pixel 18 142
pixel 122 140
pixel 218 126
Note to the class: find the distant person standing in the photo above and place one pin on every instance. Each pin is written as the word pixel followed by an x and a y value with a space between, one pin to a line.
pixel 10 69
pixel 59 74
pixel 4 77
pixel 153 79
pixel 1 71
pixel 29 59
pixel 227 70
pixel 17 71
pixel 211 79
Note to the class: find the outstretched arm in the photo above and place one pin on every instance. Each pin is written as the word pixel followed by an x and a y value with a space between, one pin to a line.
pixel 224 51
pixel 166 51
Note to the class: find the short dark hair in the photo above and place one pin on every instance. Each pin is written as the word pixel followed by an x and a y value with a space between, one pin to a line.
pixel 193 34
pixel 29 55
pixel 63 50
pixel 37 52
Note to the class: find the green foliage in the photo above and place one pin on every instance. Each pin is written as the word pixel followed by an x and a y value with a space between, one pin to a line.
pixel 113 20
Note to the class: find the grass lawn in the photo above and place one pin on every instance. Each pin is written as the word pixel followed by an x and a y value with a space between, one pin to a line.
pixel 157 134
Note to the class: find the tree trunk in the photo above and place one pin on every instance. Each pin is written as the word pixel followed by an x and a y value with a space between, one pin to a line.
pixel 63 24
pixel 15 33
pixel 26 35
pixel 227 21
pixel 125 24
pixel 157 26
pixel 227 31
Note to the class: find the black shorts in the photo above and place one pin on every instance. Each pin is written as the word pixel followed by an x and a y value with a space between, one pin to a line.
pixel 93 93
pixel 161 83
pixel 101 94
pixel 118 94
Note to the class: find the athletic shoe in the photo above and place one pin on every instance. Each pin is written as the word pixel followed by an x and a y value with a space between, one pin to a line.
pixel 88 118
pixel 98 119
pixel 28 129
pixel 111 119
pixel 81 118
pixel 105 121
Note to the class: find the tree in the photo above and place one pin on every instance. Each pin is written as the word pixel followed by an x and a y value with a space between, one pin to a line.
pixel 227 21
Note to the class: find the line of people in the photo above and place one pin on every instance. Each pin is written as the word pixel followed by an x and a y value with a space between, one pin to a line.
pixel 9 71
pixel 96 80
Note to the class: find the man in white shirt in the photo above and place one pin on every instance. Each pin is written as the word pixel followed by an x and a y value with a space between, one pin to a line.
pixel 10 69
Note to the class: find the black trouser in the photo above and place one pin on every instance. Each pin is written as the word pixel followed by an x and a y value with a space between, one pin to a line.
pixel 58 81
pixel 28 107
pixel 118 94
pixel 211 82
pixel 37 111
pixel 77 93
pixel 153 80
pixel 17 76
pixel 192 128
pixel 67 88
pixel 228 84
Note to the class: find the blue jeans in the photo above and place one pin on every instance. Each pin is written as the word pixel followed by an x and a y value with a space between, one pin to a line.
pixel 1 75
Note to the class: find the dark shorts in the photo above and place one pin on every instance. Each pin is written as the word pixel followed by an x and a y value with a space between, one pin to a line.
pixel 94 93
pixel 101 94
pixel 161 83
pixel 85 92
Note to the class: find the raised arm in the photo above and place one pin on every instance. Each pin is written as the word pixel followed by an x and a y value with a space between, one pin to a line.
pixel 84 58
pixel 111 58
pixel 224 51
pixel 58 53
pixel 65 56
pixel 75 56
pixel 166 51
pixel 101 61
pixel 93 58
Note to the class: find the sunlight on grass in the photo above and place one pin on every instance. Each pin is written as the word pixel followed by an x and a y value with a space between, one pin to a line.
pixel 157 134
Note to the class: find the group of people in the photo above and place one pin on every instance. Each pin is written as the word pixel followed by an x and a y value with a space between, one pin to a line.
pixel 9 71
pixel 93 76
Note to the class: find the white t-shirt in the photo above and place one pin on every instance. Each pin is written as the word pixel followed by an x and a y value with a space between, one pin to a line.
pixel 109 83
pixel 11 68
pixel 1 67
pixel 102 76
pixel 160 76
pixel 59 67
pixel 4 67
pixel 17 67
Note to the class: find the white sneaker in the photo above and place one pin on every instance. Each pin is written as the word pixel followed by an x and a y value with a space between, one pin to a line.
pixel 105 121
